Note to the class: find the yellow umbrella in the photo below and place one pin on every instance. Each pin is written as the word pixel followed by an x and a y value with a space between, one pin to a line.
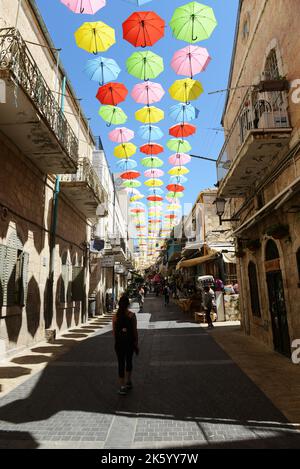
pixel 134 198
pixel 173 207
pixel 178 171
pixel 95 37
pixel 154 183
pixel 186 90
pixel 125 150
pixel 149 115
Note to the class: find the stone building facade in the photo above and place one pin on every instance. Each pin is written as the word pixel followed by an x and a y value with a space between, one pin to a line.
pixel 259 168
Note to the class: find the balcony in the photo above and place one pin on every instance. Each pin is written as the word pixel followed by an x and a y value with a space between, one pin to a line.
pixel 30 115
pixel 259 137
pixel 84 189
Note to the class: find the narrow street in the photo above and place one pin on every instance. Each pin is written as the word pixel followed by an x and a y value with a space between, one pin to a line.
pixel 187 393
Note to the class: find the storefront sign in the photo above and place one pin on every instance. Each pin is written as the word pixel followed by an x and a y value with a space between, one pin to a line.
pixel 107 261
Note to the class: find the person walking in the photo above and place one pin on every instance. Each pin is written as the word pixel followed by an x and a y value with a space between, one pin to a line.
pixel 141 297
pixel 167 294
pixel 126 343
pixel 208 304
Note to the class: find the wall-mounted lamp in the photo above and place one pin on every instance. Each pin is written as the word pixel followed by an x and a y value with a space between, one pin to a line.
pixel 220 207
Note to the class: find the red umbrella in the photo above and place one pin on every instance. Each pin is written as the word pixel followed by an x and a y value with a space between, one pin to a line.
pixel 130 175
pixel 154 220
pixel 155 198
pixel 143 28
pixel 175 188
pixel 137 210
pixel 182 130
pixel 171 217
pixel 152 149
pixel 112 93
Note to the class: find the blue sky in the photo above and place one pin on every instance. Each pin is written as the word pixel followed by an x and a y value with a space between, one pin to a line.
pixel 62 24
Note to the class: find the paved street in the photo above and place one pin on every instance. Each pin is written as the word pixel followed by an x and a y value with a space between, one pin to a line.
pixel 187 393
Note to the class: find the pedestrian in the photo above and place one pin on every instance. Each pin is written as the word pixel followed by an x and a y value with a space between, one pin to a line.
pixel 208 304
pixel 126 342
pixel 141 297
pixel 167 294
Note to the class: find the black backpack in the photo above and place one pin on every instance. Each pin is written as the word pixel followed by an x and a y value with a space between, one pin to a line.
pixel 124 330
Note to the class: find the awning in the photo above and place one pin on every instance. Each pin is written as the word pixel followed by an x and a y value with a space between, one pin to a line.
pixel 197 261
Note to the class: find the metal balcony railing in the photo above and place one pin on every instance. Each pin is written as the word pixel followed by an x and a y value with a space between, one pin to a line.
pixel 16 58
pixel 259 111
pixel 87 174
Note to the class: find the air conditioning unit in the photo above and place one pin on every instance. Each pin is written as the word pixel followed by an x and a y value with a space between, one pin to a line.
pixel 273 120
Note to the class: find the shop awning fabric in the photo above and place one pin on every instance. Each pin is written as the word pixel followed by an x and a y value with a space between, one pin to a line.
pixel 185 264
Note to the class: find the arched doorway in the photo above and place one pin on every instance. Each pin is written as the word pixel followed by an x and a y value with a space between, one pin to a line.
pixel 281 337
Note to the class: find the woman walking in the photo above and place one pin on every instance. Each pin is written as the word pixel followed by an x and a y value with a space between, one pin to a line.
pixel 126 342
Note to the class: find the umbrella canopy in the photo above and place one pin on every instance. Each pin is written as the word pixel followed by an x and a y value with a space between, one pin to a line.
pixel 171 216
pixel 137 210
pixel 121 135
pixel 178 145
pixel 132 183
pixel 125 165
pixel 155 220
pixel 149 115
pixel 186 90
pixel 95 37
pixel 88 7
pixel 193 22
pixel 175 188
pixel 190 60
pixel 143 28
pixel 178 179
pixel 145 65
pixel 130 175
pixel 174 195
pixel 173 207
pixel 155 198
pixel 150 132
pixel 154 183
pixel 155 191
pixel 113 115
pixel 132 191
pixel 153 173
pixel 179 159
pixel 182 130
pixel 178 171
pixel 156 205
pixel 139 2
pixel 125 150
pixel 152 162
pixel 183 112
pixel 102 70
pixel 152 149
pixel 147 92
pixel 112 93
pixel 136 197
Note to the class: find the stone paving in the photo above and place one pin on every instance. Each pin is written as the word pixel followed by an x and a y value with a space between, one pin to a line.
pixel 188 393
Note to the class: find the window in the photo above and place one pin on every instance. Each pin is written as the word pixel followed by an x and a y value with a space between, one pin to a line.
pixel 77 280
pixel 271 71
pixel 13 276
pixel 66 279
pixel 254 293
pixel 298 262
pixel 272 252
pixel 246 28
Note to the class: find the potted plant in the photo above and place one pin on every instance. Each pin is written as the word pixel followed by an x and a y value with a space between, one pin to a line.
pixel 278 84
pixel 278 231
pixel 253 245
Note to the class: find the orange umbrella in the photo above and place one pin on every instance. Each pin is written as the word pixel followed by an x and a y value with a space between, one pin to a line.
pixel 143 28
pixel 130 175
pixel 175 188
pixel 152 149
pixel 182 130
pixel 112 93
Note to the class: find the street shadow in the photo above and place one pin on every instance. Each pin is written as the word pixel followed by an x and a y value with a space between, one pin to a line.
pixel 33 307
pixel 31 359
pixel 17 440
pixel 11 372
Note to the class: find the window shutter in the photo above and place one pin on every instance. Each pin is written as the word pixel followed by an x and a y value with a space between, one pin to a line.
pixel 64 283
pixel 10 260
pixel 77 283
pixel 24 278
pixel 2 263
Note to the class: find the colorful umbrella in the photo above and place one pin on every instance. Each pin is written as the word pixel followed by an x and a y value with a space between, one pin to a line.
pixel 153 173
pixel 155 198
pixel 130 175
pixel 178 171
pixel 152 149
pixel 137 210
pixel 154 183
pixel 186 90
pixel 155 220
pixel 193 22
pixel 136 197
pixel 145 65
pixel 143 28
pixel 175 188
pixel 95 37
pixel 125 150
pixel 112 93
pixel 179 159
pixel 132 184
pixel 152 162
pixel 174 195
pixel 139 2
pixel 178 145
pixel 147 92
pixel 178 179
pixel 171 216
pixel 112 115
pixel 182 130
pixel 150 132
pixel 121 135
pixel 190 60
pixel 173 207
pixel 149 115
pixel 183 112
pixel 88 7
pixel 125 165
pixel 102 70
pixel 132 191
pixel 155 191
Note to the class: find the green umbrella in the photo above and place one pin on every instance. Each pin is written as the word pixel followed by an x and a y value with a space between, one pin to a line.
pixel 112 115
pixel 145 65
pixel 179 146
pixel 193 22
pixel 175 195
pixel 132 183
pixel 152 162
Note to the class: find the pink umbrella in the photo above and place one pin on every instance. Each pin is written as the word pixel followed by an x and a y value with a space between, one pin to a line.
pixel 147 92
pixel 179 159
pixel 88 7
pixel 190 60
pixel 153 173
pixel 121 135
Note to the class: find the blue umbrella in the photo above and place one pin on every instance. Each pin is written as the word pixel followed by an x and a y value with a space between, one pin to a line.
pixel 156 190
pixel 139 2
pixel 178 179
pixel 150 132
pixel 102 70
pixel 124 165
pixel 182 112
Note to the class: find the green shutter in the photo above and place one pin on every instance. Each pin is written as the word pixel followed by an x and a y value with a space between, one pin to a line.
pixel 2 264
pixel 10 260
pixel 63 283
pixel 24 278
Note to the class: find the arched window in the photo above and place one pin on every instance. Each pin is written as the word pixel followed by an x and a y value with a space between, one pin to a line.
pixel 254 292
pixel 271 71
pixel 272 252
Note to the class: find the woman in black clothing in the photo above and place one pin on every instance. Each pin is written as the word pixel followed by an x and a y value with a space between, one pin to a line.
pixel 126 342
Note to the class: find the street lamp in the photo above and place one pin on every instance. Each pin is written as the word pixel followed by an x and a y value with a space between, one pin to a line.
pixel 220 206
